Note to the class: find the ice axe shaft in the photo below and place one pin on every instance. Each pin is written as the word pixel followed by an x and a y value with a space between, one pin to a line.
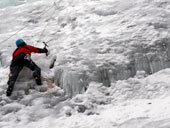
pixel 45 44
pixel 52 62
pixel 45 47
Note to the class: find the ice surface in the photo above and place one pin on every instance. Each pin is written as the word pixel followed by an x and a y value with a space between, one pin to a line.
pixel 123 45
pixel 6 3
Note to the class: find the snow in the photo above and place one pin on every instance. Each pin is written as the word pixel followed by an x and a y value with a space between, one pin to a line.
pixel 111 70
pixel 6 3
pixel 99 106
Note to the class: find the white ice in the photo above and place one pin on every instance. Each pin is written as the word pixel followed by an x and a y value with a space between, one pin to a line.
pixel 111 70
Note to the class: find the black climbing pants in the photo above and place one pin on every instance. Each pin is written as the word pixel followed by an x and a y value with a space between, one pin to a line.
pixel 15 70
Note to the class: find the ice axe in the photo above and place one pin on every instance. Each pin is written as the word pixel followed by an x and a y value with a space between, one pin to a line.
pixel 53 59
pixel 45 47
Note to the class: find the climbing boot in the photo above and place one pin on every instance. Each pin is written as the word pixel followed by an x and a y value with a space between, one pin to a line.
pixel 38 81
pixel 9 90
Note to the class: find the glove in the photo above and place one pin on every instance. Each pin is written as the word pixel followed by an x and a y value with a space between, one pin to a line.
pixel 45 50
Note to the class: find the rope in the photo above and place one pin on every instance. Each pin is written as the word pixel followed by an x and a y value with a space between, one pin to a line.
pixel 13 35
pixel 45 11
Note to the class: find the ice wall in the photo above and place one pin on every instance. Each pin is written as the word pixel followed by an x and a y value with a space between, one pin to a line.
pixel 98 38
pixel 148 59
pixel 73 82
pixel 151 58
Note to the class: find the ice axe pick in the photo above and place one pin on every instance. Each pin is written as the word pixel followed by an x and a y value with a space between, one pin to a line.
pixel 45 47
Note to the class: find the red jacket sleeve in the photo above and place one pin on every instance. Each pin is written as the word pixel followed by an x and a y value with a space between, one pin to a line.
pixel 33 49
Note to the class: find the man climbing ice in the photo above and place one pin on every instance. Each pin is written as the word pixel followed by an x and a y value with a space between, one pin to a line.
pixel 22 57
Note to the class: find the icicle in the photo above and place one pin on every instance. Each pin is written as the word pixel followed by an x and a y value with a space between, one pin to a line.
pixel 73 82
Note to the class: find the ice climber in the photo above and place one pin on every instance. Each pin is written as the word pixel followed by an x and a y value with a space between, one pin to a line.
pixel 21 58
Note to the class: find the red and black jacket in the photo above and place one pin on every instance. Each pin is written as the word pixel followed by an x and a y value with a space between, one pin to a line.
pixel 27 49
pixel 20 52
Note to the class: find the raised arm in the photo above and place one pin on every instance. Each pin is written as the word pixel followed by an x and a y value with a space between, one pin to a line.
pixel 37 50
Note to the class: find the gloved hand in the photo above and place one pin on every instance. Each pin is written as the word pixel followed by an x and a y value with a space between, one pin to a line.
pixel 45 50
